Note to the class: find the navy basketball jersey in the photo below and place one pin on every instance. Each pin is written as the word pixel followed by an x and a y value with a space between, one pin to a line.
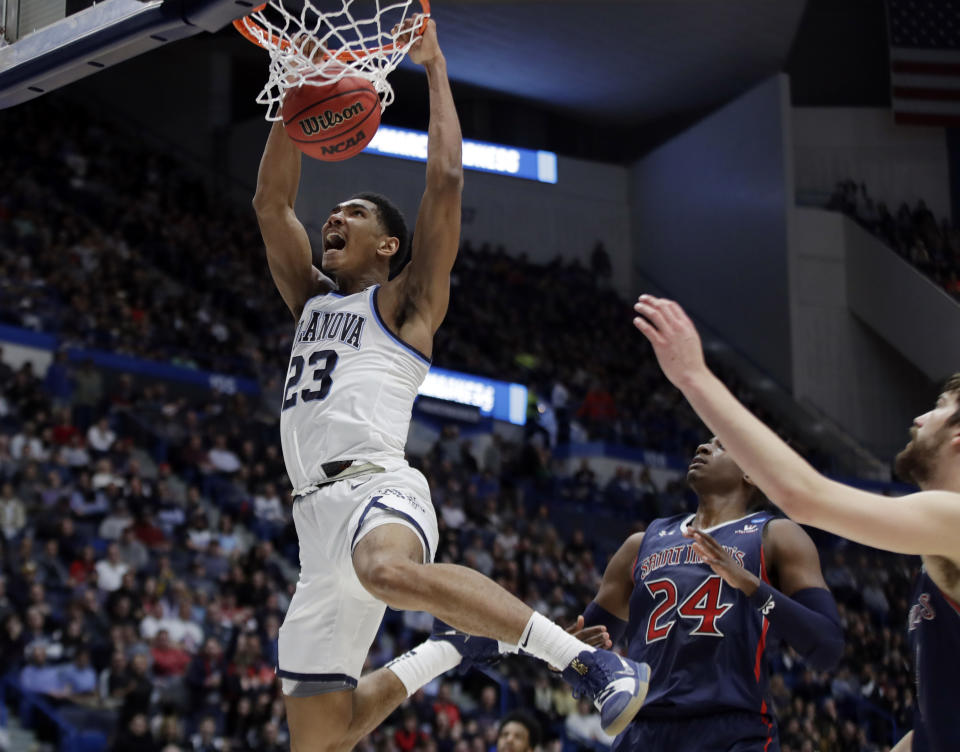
pixel 703 640
pixel 934 630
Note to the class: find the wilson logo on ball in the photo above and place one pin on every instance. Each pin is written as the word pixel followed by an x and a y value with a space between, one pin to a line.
pixel 333 121
pixel 330 119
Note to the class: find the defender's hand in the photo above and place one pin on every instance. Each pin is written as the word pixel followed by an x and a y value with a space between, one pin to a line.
pixel 722 562
pixel 595 636
pixel 427 47
pixel 673 336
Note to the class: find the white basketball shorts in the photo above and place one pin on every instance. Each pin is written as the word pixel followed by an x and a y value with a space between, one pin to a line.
pixel 332 620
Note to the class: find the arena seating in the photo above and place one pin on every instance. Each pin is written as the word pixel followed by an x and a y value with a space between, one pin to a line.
pixel 915 234
pixel 147 550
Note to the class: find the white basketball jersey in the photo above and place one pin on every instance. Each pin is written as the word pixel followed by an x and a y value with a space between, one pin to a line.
pixel 350 387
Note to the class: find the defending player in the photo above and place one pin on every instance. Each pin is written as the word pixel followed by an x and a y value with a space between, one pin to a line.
pixel 366 525
pixel 925 523
pixel 694 596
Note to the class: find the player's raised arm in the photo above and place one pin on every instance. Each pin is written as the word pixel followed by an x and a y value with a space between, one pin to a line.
pixel 288 247
pixel 921 523
pixel 426 280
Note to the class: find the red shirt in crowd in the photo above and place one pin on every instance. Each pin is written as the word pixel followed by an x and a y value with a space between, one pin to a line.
pixel 451 711
pixel 598 405
pixel 169 661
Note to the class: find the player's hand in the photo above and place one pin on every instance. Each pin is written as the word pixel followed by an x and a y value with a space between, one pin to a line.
pixel 595 636
pixel 722 562
pixel 427 47
pixel 673 336
pixel 310 47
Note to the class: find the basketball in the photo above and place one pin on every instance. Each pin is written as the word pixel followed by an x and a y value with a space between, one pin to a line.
pixel 333 122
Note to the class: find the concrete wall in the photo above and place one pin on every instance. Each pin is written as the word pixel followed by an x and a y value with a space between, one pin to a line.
pixel 896 162
pixel 841 366
pixel 902 305
pixel 710 223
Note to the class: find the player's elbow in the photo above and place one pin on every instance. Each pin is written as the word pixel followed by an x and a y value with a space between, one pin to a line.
pixel 446 177
pixel 266 203
pixel 827 652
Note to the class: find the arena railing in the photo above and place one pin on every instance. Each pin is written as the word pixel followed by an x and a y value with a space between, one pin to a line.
pixel 30 705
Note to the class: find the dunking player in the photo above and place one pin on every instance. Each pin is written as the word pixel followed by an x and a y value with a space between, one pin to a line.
pixel 925 523
pixel 692 595
pixel 364 518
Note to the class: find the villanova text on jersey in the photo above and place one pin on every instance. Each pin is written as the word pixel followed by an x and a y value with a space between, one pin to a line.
pixel 703 640
pixel 343 326
pixel 934 631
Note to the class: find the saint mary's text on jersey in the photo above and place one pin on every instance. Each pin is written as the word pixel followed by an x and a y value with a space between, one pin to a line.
pixel 680 554
pixel 335 325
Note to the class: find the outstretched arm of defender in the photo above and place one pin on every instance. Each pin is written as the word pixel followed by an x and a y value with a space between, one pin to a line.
pixel 611 606
pixel 288 247
pixel 426 279
pixel 922 523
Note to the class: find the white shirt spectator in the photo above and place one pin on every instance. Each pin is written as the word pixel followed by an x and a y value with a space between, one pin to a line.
pixel 268 508
pixel 110 574
pixel 186 633
pixel 13 513
pixel 75 456
pixel 114 524
pixel 100 437
pixel 199 537
pixel 229 542
pixel 453 515
pixel 105 477
pixel 223 460
pixel 150 625
pixel 584 727
pixel 559 396
pixel 23 447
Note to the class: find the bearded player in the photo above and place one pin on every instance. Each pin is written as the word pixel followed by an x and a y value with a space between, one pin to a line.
pixel 925 523
pixel 692 597
pixel 365 522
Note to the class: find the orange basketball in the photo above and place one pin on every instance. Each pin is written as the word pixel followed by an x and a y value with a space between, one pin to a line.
pixel 332 122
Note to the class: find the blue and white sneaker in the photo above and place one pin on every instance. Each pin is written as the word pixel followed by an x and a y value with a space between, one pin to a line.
pixel 475 651
pixel 617 686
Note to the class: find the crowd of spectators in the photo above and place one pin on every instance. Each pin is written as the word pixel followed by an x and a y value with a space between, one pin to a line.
pixel 914 233
pixel 143 597
pixel 147 550
pixel 181 278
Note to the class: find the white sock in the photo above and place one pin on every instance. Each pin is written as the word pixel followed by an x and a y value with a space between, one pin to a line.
pixel 548 642
pixel 424 663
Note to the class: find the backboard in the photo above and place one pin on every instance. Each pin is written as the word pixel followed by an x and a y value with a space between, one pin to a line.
pixel 47 44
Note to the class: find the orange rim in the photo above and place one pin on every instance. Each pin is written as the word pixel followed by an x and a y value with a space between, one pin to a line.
pixel 250 30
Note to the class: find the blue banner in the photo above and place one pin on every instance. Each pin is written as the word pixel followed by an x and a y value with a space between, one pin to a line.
pixel 529 164
pixel 495 399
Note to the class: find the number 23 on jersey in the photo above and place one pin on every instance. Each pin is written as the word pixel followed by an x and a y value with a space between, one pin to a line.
pixel 323 362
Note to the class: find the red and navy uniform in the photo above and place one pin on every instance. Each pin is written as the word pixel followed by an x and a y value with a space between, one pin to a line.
pixel 704 642
pixel 934 629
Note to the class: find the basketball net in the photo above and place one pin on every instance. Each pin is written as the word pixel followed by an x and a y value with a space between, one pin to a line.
pixel 316 48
